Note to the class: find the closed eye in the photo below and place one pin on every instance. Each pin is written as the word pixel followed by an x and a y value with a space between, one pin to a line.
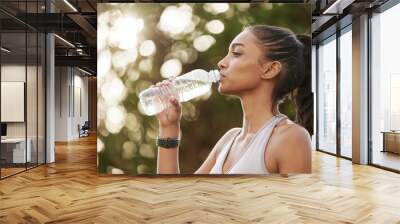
pixel 236 54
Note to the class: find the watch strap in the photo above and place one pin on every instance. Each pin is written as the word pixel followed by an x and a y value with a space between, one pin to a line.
pixel 167 142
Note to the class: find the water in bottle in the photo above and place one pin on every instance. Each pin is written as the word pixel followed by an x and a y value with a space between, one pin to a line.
pixel 184 88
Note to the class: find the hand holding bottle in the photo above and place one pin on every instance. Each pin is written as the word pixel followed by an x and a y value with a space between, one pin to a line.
pixel 170 116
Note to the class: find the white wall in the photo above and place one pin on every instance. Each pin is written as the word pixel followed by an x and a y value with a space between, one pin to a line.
pixel 14 73
pixel 61 103
pixel 71 87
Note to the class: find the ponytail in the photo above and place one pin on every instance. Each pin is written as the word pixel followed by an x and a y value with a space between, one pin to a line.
pixel 302 95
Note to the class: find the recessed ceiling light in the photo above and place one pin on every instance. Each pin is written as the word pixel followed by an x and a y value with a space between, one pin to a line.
pixel 84 71
pixel 70 5
pixel 5 50
pixel 64 40
pixel 337 7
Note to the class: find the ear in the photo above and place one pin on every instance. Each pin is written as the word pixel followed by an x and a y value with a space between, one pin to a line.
pixel 271 69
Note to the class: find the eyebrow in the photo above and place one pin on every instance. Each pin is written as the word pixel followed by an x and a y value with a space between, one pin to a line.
pixel 236 44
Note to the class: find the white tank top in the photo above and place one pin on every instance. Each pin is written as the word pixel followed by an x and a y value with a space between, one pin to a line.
pixel 253 160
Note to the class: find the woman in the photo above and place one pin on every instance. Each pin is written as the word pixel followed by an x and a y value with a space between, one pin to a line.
pixel 264 64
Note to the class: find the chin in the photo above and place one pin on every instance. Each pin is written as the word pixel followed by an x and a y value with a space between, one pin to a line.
pixel 223 90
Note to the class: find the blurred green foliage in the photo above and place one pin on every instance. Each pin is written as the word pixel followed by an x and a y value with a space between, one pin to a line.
pixel 133 150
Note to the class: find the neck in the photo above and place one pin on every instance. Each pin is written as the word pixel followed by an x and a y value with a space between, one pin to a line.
pixel 257 109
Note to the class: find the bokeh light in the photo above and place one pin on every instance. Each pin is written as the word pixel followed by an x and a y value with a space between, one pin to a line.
pixel 124 32
pixel 120 59
pixel 216 8
pixel 133 75
pixel 243 6
pixel 203 42
pixel 132 122
pixel 215 26
pixel 113 91
pixel 115 119
pixel 114 170
pixel 100 145
pixel 128 150
pixel 146 65
pixel 147 48
pixel 147 151
pixel 103 63
pixel 171 68
pixel 142 169
pixel 176 20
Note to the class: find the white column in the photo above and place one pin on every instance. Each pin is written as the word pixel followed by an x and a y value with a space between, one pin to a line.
pixel 360 90
pixel 50 93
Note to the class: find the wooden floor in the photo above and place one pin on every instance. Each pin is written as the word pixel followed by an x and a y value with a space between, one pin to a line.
pixel 5 172
pixel 10 171
pixel 70 191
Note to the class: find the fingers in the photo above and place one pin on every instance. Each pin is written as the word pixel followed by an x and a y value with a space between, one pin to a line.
pixel 166 89
pixel 168 97
pixel 165 82
pixel 175 104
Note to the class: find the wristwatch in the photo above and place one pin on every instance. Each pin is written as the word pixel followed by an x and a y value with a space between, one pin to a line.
pixel 167 142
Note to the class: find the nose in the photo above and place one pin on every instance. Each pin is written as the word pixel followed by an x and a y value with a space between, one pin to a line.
pixel 222 64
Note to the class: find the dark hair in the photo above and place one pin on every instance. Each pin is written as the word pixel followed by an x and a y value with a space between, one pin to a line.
pixel 294 80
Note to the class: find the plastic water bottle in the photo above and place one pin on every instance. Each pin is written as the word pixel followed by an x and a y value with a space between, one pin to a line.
pixel 184 88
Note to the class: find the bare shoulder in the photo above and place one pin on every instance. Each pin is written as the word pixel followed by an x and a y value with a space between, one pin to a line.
pixel 288 132
pixel 290 144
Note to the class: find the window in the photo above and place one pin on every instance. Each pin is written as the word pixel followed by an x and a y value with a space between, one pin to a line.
pixel 327 95
pixel 346 92
pixel 385 88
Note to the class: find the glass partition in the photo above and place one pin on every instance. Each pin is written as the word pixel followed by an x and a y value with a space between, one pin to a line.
pixel 14 151
pixel 327 95
pixel 22 90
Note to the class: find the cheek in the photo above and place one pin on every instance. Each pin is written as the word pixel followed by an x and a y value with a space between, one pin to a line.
pixel 244 74
pixel 236 84
pixel 246 67
pixel 247 73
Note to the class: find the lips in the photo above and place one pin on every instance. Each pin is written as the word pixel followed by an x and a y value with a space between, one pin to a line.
pixel 222 78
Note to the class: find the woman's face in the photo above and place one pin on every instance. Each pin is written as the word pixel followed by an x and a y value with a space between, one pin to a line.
pixel 241 68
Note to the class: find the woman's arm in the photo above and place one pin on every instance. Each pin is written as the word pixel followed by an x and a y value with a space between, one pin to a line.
pixel 169 127
pixel 168 159
pixel 208 164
